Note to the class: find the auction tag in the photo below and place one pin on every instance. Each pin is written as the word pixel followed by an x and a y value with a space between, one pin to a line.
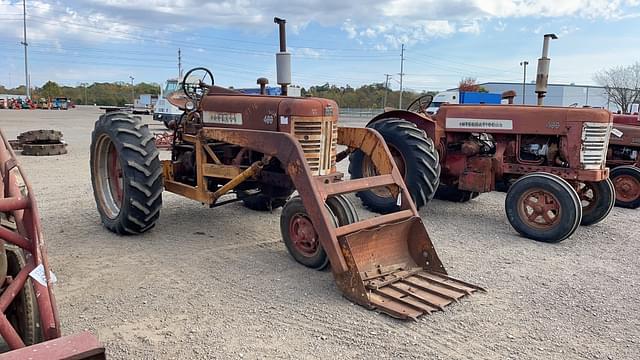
pixel 617 132
pixel 38 275
pixel 399 201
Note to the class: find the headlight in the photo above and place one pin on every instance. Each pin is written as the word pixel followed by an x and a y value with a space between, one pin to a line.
pixel 190 105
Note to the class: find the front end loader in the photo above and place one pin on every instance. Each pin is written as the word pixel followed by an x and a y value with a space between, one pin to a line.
pixel 259 149
pixel 29 327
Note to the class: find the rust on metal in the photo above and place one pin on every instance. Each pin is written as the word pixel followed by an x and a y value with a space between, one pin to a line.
pixel 23 229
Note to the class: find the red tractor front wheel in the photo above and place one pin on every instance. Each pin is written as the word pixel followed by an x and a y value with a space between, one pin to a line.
pixel 543 207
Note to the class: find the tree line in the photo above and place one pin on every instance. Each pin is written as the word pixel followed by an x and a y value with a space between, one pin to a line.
pixel 113 94
pixel 120 93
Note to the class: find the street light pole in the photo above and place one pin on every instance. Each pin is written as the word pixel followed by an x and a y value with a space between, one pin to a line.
pixel 524 79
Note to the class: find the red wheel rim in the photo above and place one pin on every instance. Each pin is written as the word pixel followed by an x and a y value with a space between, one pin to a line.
pixel 303 235
pixel 539 209
pixel 115 175
pixel 627 188
pixel 588 196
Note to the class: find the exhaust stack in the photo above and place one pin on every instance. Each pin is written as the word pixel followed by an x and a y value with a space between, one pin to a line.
pixel 542 77
pixel 283 58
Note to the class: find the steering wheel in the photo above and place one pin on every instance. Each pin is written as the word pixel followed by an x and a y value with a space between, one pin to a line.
pixel 421 104
pixel 196 82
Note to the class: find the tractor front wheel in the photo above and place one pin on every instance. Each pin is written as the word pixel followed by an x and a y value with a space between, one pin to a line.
pixel 597 199
pixel 626 180
pixel 126 174
pixel 415 156
pixel 300 235
pixel 543 207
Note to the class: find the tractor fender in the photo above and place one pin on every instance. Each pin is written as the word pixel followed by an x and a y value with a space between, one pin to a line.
pixel 423 122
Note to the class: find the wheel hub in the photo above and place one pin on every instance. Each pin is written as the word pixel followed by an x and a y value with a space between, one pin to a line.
pixel 539 208
pixel 304 235
pixel 110 177
pixel 627 188
pixel 587 195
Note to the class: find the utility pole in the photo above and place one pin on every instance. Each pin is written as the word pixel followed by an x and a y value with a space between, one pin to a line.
pixel 85 92
pixel 179 65
pixel 386 89
pixel 524 79
pixel 401 74
pixel 133 91
pixel 24 42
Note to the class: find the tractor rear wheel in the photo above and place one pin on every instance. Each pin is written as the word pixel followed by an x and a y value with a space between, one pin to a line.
pixel 300 236
pixel 543 207
pixel 126 174
pixel 452 193
pixel 626 180
pixel 415 156
pixel 597 199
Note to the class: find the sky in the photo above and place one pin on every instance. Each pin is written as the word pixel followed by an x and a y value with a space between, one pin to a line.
pixel 341 42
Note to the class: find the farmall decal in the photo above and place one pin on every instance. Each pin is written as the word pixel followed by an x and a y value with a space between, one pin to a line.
pixel 223 118
pixel 470 123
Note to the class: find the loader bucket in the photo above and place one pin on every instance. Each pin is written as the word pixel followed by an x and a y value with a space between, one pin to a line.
pixel 398 271
pixel 26 278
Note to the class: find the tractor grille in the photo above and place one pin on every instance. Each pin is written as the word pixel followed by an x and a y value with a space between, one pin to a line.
pixel 595 140
pixel 318 138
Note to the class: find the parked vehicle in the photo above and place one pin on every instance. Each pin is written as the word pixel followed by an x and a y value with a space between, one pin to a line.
pixel 624 160
pixel 461 97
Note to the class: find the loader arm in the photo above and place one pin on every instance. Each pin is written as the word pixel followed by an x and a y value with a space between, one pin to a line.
pixel 386 262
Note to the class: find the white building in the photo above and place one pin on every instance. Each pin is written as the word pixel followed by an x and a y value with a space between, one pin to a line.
pixel 557 95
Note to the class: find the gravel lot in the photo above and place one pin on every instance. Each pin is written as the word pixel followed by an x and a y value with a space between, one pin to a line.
pixel 219 283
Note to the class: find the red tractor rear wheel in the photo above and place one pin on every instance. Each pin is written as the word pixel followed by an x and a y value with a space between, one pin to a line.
pixel 126 174
pixel 415 156
pixel 626 180
pixel 597 199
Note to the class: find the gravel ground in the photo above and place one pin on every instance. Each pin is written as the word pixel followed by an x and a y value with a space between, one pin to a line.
pixel 219 283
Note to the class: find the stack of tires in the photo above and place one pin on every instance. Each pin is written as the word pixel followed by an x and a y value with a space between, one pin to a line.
pixel 40 143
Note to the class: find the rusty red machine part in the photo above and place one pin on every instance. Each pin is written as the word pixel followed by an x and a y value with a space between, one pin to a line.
pixel 27 277
pixel 623 158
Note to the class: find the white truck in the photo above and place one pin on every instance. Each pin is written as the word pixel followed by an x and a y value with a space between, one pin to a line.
pixel 163 110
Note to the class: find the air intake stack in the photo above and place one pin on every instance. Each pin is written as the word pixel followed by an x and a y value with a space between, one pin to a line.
pixel 283 58
pixel 543 69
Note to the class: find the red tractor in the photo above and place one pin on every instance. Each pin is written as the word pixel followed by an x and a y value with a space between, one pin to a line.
pixel 258 149
pixel 623 159
pixel 553 160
